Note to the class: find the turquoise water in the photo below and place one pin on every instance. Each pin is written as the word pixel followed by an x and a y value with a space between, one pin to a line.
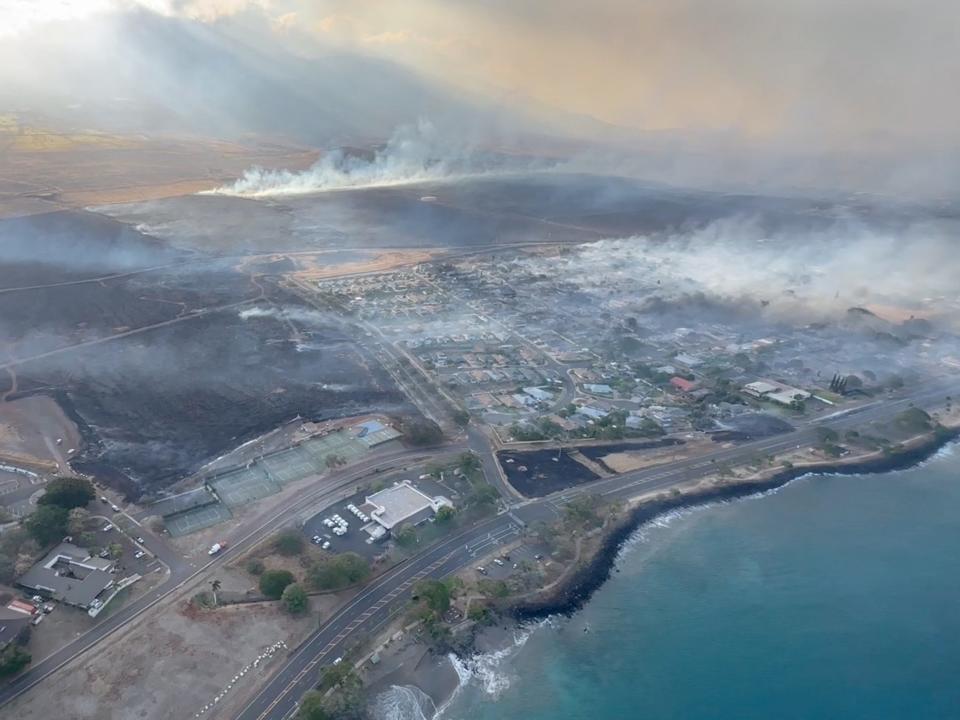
pixel 835 597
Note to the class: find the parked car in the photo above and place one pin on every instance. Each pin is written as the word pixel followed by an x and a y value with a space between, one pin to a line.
pixel 139 554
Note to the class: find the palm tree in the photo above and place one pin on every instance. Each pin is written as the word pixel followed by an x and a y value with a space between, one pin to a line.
pixel 215 586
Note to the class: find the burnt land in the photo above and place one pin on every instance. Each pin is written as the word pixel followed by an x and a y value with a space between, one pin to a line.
pixel 231 355
pixel 536 473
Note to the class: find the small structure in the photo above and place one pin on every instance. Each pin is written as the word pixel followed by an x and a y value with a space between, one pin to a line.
pixel 68 573
pixel 598 388
pixel 401 503
pixel 12 623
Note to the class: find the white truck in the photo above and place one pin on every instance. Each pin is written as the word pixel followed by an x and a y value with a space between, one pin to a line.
pixel 216 547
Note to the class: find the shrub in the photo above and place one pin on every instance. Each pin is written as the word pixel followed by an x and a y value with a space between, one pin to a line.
pixel 338 572
pixel 289 543
pixel 274 582
pixel 255 566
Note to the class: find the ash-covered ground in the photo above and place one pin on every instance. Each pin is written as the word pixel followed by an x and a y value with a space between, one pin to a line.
pixel 167 368
pixel 163 329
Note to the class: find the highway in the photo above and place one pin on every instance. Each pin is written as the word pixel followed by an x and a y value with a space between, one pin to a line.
pixel 183 575
pixel 371 609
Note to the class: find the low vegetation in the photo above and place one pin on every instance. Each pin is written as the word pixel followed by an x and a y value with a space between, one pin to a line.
pixel 338 572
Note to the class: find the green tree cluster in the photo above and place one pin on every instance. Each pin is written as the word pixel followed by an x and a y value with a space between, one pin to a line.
pixel 47 524
pixel 13 659
pixel 68 493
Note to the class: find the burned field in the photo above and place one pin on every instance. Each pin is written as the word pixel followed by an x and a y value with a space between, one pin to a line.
pixel 167 368
pixel 536 473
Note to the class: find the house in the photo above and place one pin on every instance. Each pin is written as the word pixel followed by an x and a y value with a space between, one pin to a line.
pixel 775 392
pixel 68 573
pixel 538 394
pixel 598 389
pixel 682 384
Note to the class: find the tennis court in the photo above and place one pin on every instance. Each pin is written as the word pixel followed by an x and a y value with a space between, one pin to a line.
pixel 190 521
pixel 336 443
pixel 239 487
pixel 291 465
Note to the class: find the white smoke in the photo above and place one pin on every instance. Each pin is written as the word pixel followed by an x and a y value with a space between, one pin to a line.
pixel 414 154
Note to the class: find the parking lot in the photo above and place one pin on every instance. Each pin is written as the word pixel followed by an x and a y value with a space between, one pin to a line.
pixel 355 539
pixel 127 563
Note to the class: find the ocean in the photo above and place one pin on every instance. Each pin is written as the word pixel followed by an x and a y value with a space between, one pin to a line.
pixel 833 597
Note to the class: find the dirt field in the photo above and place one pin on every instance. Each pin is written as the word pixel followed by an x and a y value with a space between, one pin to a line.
pixel 317 266
pixel 621 462
pixel 29 429
pixel 171 665
pixel 44 171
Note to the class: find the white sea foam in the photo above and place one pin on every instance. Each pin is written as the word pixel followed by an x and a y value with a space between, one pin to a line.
pixel 403 702
pixel 487 671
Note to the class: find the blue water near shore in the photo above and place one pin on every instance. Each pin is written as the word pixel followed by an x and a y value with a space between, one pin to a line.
pixel 834 597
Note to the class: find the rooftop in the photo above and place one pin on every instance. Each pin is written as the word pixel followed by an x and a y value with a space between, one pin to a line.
pixel 68 573
pixel 401 502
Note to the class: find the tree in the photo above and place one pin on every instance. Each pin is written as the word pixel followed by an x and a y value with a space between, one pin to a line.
pixel 255 566
pixel 294 599
pixel 116 550
pixel 461 417
pixel 468 461
pixel 47 524
pixel 312 707
pixel 68 492
pixel 483 495
pixel 13 659
pixel 405 535
pixel 445 515
pixel 215 587
pixel 333 460
pixel 435 594
pixel 274 582
pixel 77 520
pixel 422 432
pixel 289 543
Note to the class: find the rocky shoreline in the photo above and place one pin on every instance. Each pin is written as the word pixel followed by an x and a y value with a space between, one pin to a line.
pixel 570 594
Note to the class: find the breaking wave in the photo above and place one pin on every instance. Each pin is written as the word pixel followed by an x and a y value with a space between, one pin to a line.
pixel 414 154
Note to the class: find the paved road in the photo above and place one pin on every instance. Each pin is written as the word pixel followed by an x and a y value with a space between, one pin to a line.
pixel 372 608
pixel 183 573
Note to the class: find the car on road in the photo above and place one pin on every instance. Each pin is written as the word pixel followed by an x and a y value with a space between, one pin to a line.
pixel 104 500
pixel 108 527
pixel 114 507
pixel 216 547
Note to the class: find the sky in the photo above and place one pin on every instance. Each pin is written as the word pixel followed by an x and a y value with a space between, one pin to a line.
pixel 808 76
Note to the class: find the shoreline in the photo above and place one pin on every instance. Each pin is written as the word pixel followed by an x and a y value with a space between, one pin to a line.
pixel 572 592
pixel 436 676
